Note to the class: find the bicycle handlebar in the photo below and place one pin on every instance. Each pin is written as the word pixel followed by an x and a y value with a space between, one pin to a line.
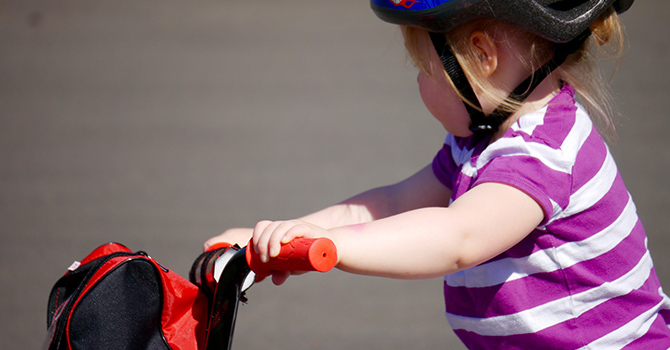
pixel 300 254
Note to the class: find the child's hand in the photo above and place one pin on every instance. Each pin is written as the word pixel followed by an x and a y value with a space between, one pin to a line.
pixel 240 236
pixel 268 236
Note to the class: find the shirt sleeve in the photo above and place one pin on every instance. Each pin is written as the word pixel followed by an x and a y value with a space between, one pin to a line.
pixel 549 187
pixel 444 166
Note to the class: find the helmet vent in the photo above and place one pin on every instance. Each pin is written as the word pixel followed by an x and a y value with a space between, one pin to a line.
pixel 566 5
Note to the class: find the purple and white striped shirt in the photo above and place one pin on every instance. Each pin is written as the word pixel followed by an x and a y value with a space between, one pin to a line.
pixel 583 279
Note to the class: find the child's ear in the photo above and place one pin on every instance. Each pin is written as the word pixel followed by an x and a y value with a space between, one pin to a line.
pixel 486 52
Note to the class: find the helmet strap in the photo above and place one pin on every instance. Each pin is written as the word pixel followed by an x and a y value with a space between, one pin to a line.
pixel 455 72
pixel 488 124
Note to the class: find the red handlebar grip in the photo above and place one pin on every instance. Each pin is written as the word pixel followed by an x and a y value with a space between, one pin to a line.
pixel 219 245
pixel 300 254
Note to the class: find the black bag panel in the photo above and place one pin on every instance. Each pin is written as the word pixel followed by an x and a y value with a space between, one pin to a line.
pixel 66 286
pixel 65 292
pixel 131 317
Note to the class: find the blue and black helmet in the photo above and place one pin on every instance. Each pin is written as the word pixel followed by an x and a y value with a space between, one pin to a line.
pixel 556 20
pixel 564 22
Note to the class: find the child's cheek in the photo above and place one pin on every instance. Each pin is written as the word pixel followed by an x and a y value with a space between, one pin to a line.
pixel 444 104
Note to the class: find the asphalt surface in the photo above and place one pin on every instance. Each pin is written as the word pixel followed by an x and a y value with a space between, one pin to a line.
pixel 159 124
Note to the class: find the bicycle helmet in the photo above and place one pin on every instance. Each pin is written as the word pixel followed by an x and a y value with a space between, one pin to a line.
pixel 564 22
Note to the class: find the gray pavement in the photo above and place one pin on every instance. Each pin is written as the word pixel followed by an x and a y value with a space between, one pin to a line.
pixel 161 123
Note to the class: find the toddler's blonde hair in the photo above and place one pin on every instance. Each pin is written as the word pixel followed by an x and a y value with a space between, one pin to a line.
pixel 579 70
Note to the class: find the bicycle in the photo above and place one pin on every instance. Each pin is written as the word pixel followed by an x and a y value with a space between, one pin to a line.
pixel 227 272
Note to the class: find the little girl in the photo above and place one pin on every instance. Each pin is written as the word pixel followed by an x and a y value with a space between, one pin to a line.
pixel 522 210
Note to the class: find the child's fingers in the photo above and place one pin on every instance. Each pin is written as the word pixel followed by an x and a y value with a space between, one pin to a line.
pixel 297 230
pixel 240 236
pixel 258 231
pixel 279 277
pixel 278 235
pixel 268 236
pixel 261 237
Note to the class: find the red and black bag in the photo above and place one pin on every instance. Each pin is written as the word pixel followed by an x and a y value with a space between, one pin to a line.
pixel 118 299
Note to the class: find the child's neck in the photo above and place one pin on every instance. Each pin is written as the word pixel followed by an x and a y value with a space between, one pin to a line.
pixel 539 98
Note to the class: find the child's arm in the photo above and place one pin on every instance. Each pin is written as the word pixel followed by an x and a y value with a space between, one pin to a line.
pixel 419 190
pixel 422 243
